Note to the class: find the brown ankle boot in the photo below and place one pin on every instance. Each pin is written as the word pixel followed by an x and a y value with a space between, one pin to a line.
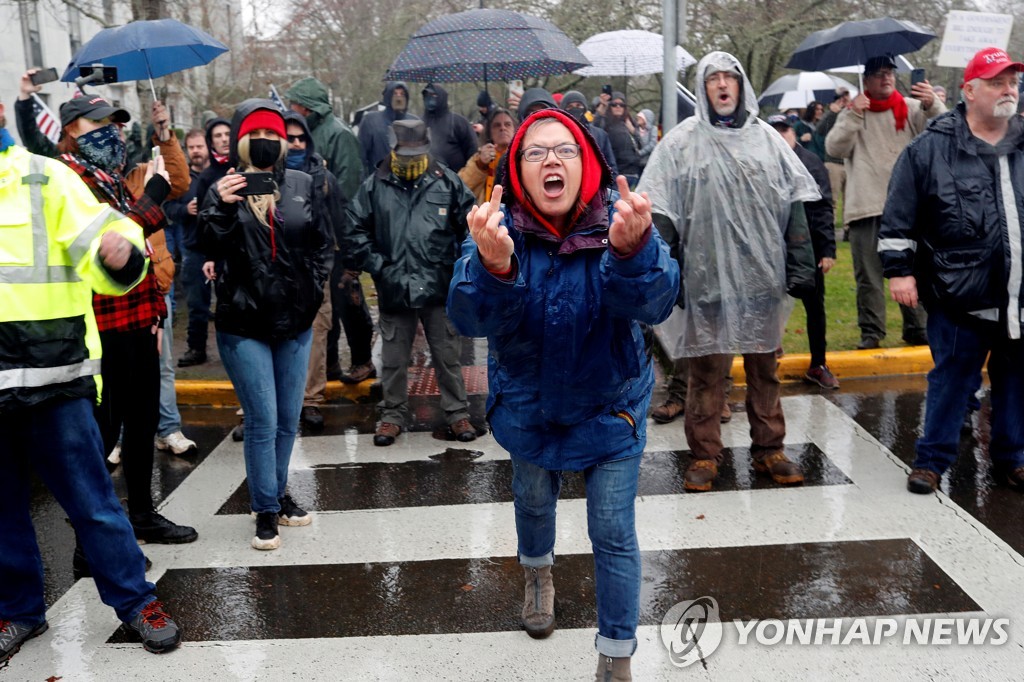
pixel 778 466
pixel 612 669
pixel 539 605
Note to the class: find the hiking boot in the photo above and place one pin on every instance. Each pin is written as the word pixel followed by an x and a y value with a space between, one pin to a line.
pixel 778 466
pixel 923 481
pixel 192 357
pixel 612 669
pixel 822 376
pixel 539 605
pixel 867 344
pixel 176 443
pixel 266 531
pixel 312 417
pixel 154 528
pixel 668 410
pixel 464 431
pixel 154 626
pixel 726 416
pixel 358 373
pixel 292 514
pixel 700 475
pixel 1010 475
pixel 13 635
pixel 80 567
pixel 386 433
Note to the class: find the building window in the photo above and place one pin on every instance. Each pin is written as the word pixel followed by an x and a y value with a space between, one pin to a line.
pixel 30 33
pixel 74 29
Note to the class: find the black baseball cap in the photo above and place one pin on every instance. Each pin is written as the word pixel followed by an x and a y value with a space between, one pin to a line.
pixel 875 64
pixel 92 107
pixel 776 120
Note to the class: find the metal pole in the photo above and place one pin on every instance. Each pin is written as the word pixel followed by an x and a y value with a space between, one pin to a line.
pixel 669 106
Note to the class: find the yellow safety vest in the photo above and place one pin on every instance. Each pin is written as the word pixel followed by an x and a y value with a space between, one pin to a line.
pixel 50 229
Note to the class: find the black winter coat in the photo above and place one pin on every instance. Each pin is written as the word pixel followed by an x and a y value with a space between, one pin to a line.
pixel 945 220
pixel 452 140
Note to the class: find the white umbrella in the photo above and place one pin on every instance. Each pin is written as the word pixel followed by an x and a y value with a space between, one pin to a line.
pixel 903 65
pixel 628 53
pixel 797 90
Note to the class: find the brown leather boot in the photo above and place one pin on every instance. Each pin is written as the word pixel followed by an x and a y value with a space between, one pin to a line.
pixel 779 468
pixel 668 410
pixel 539 604
pixel 923 481
pixel 613 669
pixel 700 475
pixel 726 414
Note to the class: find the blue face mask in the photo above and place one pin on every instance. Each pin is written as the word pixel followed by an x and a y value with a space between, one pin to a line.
pixel 296 159
pixel 103 147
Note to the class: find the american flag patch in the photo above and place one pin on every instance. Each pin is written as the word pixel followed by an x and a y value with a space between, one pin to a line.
pixel 46 122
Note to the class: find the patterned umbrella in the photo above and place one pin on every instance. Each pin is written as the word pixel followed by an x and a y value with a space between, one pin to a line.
pixel 483 44
pixel 628 53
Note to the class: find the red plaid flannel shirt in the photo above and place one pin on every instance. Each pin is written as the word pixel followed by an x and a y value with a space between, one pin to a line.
pixel 144 305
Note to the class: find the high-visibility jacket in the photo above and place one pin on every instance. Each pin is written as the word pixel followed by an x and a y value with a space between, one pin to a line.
pixel 50 229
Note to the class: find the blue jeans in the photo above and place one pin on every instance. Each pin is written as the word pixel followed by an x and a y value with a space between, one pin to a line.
pixel 270 381
pixel 611 493
pixel 170 418
pixel 60 441
pixel 198 293
pixel 959 353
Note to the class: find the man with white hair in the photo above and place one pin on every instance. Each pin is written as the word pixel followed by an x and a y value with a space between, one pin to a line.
pixel 727 194
pixel 951 239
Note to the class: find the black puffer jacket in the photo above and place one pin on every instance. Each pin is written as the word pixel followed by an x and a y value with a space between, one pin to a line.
pixel 945 221
pixel 407 235
pixel 271 281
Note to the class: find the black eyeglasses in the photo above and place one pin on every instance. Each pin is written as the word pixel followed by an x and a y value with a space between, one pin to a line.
pixel 562 151
pixel 297 138
pixel 618 104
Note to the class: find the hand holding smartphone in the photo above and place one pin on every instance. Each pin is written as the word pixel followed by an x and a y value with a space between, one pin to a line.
pixel 917 76
pixel 257 182
pixel 44 76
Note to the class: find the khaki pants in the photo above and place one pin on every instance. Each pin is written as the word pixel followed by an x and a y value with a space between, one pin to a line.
pixel 837 179
pixel 316 375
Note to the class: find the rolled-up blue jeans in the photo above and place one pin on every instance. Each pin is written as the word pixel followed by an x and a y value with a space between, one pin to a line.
pixel 611 494
pixel 61 442
pixel 270 381
pixel 959 352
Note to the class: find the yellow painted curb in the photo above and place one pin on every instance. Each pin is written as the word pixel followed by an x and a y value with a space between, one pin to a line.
pixel 850 364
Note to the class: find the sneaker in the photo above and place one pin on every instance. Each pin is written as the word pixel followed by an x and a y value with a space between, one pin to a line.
pixel 312 417
pixel 266 531
pixel 176 443
pixel 700 475
pixel 923 481
pixel 463 431
pixel 154 626
pixel 359 373
pixel 292 514
pixel 13 635
pixel 238 433
pixel 156 529
pixel 822 376
pixel 386 433
pixel 668 410
pixel 192 357
pixel 778 466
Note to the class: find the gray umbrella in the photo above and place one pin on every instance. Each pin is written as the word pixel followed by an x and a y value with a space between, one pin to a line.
pixel 483 44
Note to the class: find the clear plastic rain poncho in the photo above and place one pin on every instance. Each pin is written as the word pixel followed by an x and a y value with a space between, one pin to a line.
pixel 728 193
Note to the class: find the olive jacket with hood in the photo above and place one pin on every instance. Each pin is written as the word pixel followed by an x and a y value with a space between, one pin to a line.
pixel 954 220
pixel 570 376
pixel 373 131
pixel 452 140
pixel 334 140
pixel 406 234
pixel 270 282
pixel 729 195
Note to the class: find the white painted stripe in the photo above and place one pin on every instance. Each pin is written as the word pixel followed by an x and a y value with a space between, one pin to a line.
pixel 897 245
pixel 34 377
pixel 1013 225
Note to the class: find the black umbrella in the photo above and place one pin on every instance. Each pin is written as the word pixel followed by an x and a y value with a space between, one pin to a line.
pixel 854 42
pixel 486 43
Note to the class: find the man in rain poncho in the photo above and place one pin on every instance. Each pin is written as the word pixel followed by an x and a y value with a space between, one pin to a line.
pixel 727 194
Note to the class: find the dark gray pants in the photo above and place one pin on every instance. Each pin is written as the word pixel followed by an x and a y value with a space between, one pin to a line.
pixel 397 331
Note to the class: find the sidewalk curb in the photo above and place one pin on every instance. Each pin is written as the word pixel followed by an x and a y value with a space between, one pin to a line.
pixel 851 364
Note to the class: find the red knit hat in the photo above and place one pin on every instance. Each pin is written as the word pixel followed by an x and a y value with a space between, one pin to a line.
pixel 262 118
pixel 592 164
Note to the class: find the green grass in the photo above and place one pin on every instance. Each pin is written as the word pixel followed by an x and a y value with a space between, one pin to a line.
pixel 842 332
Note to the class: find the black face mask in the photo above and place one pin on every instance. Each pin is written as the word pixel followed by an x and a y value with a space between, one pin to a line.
pixel 578 113
pixel 264 153
pixel 430 103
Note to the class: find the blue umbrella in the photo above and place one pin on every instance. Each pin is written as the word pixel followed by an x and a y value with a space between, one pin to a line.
pixel 485 43
pixel 854 42
pixel 146 49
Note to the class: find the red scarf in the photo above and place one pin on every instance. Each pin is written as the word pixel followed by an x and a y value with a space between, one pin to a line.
pixel 895 102
pixel 592 171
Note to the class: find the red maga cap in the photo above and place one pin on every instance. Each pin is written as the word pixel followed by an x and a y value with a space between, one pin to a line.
pixel 989 63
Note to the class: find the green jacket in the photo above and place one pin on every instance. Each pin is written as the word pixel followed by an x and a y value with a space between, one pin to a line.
pixel 334 140
pixel 408 235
